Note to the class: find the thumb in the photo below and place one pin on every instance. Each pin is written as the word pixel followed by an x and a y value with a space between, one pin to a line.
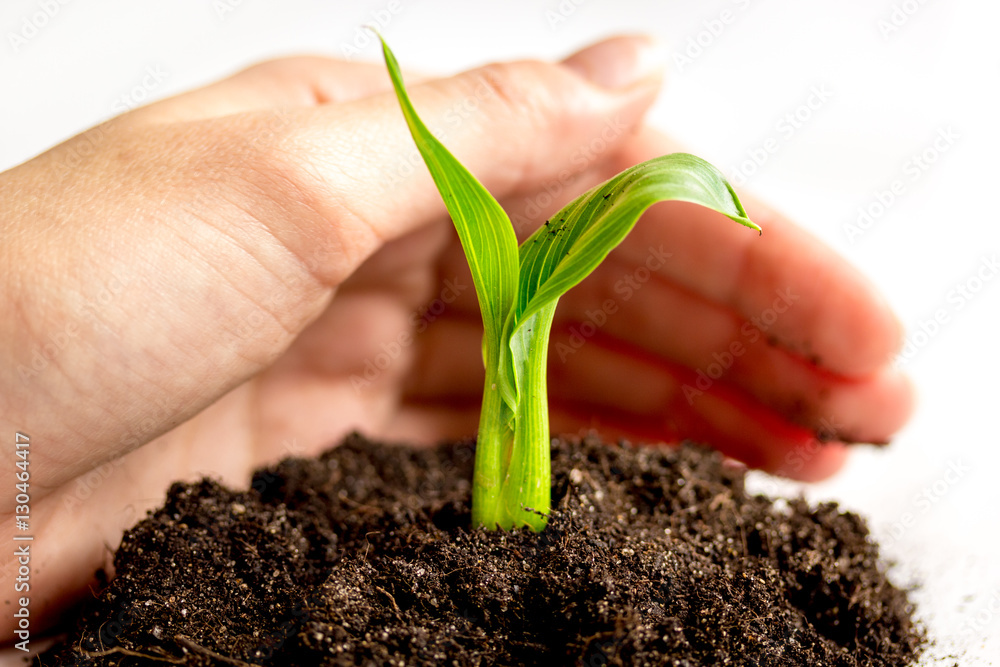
pixel 514 125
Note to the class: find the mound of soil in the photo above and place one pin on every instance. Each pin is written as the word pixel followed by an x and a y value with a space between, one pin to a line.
pixel 364 557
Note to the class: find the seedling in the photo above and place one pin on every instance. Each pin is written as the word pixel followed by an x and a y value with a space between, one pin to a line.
pixel 518 288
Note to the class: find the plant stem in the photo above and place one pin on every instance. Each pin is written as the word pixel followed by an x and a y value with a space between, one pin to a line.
pixel 493 446
pixel 512 482
pixel 527 484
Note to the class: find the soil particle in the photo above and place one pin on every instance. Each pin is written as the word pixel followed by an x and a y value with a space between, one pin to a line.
pixel 364 557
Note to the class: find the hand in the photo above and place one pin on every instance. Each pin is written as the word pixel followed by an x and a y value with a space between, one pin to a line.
pixel 772 349
pixel 253 269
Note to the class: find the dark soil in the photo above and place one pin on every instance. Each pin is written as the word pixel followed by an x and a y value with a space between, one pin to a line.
pixel 364 557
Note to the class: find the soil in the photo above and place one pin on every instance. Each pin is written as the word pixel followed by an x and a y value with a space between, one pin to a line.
pixel 364 557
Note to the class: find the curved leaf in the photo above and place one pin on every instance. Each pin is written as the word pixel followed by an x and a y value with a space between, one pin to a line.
pixel 490 247
pixel 566 249
pixel 483 227
pixel 518 290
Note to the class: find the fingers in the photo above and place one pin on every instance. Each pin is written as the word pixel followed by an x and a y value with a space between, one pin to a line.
pixel 839 320
pixel 633 304
pixel 510 124
pixel 286 83
pixel 660 399
pixel 797 455
pixel 627 300
pixel 813 338
pixel 724 419
pixel 716 365
pixel 621 392
pixel 618 61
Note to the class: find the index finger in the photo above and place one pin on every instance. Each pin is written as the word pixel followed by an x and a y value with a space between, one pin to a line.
pixel 284 83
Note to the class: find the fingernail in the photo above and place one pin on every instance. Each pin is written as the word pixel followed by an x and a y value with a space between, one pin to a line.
pixel 619 62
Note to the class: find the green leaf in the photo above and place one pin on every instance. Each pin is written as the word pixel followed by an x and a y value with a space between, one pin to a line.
pixel 518 290
pixel 566 249
pixel 490 247
pixel 483 227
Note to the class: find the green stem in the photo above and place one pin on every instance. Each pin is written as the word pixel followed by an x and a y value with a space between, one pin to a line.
pixel 527 485
pixel 512 481
pixel 493 446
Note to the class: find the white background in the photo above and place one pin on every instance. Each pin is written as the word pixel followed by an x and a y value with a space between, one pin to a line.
pixel 897 73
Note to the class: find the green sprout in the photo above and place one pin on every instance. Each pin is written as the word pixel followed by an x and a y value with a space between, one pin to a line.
pixel 518 288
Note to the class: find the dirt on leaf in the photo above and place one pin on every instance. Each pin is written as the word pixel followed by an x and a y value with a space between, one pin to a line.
pixel 364 556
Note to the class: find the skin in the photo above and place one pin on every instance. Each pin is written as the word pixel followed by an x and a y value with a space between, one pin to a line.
pixel 202 283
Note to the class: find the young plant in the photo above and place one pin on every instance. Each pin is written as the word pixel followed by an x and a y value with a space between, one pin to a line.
pixel 518 288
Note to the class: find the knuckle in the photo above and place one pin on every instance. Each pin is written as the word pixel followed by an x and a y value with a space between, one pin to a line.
pixel 250 148
pixel 293 78
pixel 273 172
pixel 517 88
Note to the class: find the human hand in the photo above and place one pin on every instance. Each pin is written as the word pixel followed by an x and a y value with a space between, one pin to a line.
pixel 771 349
pixel 193 285
pixel 210 281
